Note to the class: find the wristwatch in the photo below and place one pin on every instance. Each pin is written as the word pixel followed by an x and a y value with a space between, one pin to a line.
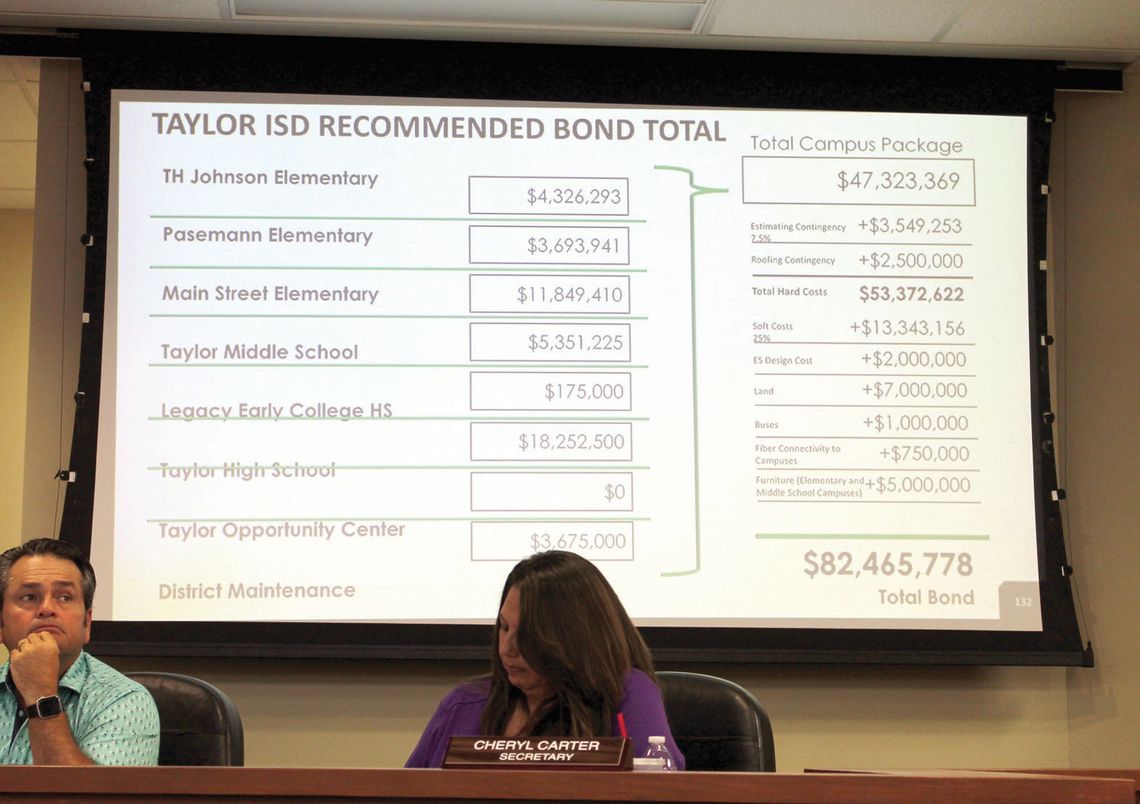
pixel 48 706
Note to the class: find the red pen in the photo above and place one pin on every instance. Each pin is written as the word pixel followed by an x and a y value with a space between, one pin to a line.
pixel 621 725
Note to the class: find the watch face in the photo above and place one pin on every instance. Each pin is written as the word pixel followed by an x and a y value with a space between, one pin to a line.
pixel 49 706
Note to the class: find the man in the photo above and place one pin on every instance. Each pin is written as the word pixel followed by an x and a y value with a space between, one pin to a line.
pixel 58 704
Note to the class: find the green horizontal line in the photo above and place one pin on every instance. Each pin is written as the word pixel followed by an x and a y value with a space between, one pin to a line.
pixel 958 537
pixel 506 420
pixel 568 364
pixel 417 519
pixel 612 222
pixel 465 467
pixel 566 317
pixel 553 268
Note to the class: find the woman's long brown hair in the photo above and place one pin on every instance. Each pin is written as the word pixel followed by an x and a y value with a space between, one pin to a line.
pixel 575 632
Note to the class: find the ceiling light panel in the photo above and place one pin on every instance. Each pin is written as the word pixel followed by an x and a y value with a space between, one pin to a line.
pixel 647 15
pixel 154 9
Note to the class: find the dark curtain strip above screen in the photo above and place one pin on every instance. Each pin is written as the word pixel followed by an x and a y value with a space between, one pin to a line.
pixel 114 60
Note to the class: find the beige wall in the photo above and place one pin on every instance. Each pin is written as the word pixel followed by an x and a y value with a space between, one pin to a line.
pixel 57 294
pixel 15 309
pixel 1099 298
pixel 369 713
pixel 15 305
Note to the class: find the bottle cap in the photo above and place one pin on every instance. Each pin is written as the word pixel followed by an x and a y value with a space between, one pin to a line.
pixel 657 740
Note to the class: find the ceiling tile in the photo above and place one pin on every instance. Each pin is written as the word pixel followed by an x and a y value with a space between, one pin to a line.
pixel 1096 31
pixel 1085 24
pixel 875 20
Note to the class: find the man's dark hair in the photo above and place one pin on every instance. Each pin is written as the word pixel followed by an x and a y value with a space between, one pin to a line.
pixel 49 547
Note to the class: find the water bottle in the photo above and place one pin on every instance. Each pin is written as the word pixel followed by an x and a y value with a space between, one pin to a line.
pixel 659 751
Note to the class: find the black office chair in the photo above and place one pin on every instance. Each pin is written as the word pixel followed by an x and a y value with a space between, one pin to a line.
pixel 199 723
pixel 718 725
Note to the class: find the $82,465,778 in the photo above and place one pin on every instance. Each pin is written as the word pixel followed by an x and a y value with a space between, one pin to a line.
pixel 906 565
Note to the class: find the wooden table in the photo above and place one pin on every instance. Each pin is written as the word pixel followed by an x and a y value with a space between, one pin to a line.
pixel 213 785
pixel 1109 773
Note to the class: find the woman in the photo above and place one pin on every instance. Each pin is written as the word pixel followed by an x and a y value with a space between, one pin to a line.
pixel 565 661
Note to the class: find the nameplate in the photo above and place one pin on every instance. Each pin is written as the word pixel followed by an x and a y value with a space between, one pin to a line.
pixel 539 753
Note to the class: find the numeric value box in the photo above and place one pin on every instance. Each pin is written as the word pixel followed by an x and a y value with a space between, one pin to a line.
pixel 847 181
pixel 551 491
pixel 548 195
pixel 553 391
pixel 561 343
pixel 551 441
pixel 513 540
pixel 548 293
pixel 548 245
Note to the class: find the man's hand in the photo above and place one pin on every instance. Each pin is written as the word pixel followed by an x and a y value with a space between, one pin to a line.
pixel 35 666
